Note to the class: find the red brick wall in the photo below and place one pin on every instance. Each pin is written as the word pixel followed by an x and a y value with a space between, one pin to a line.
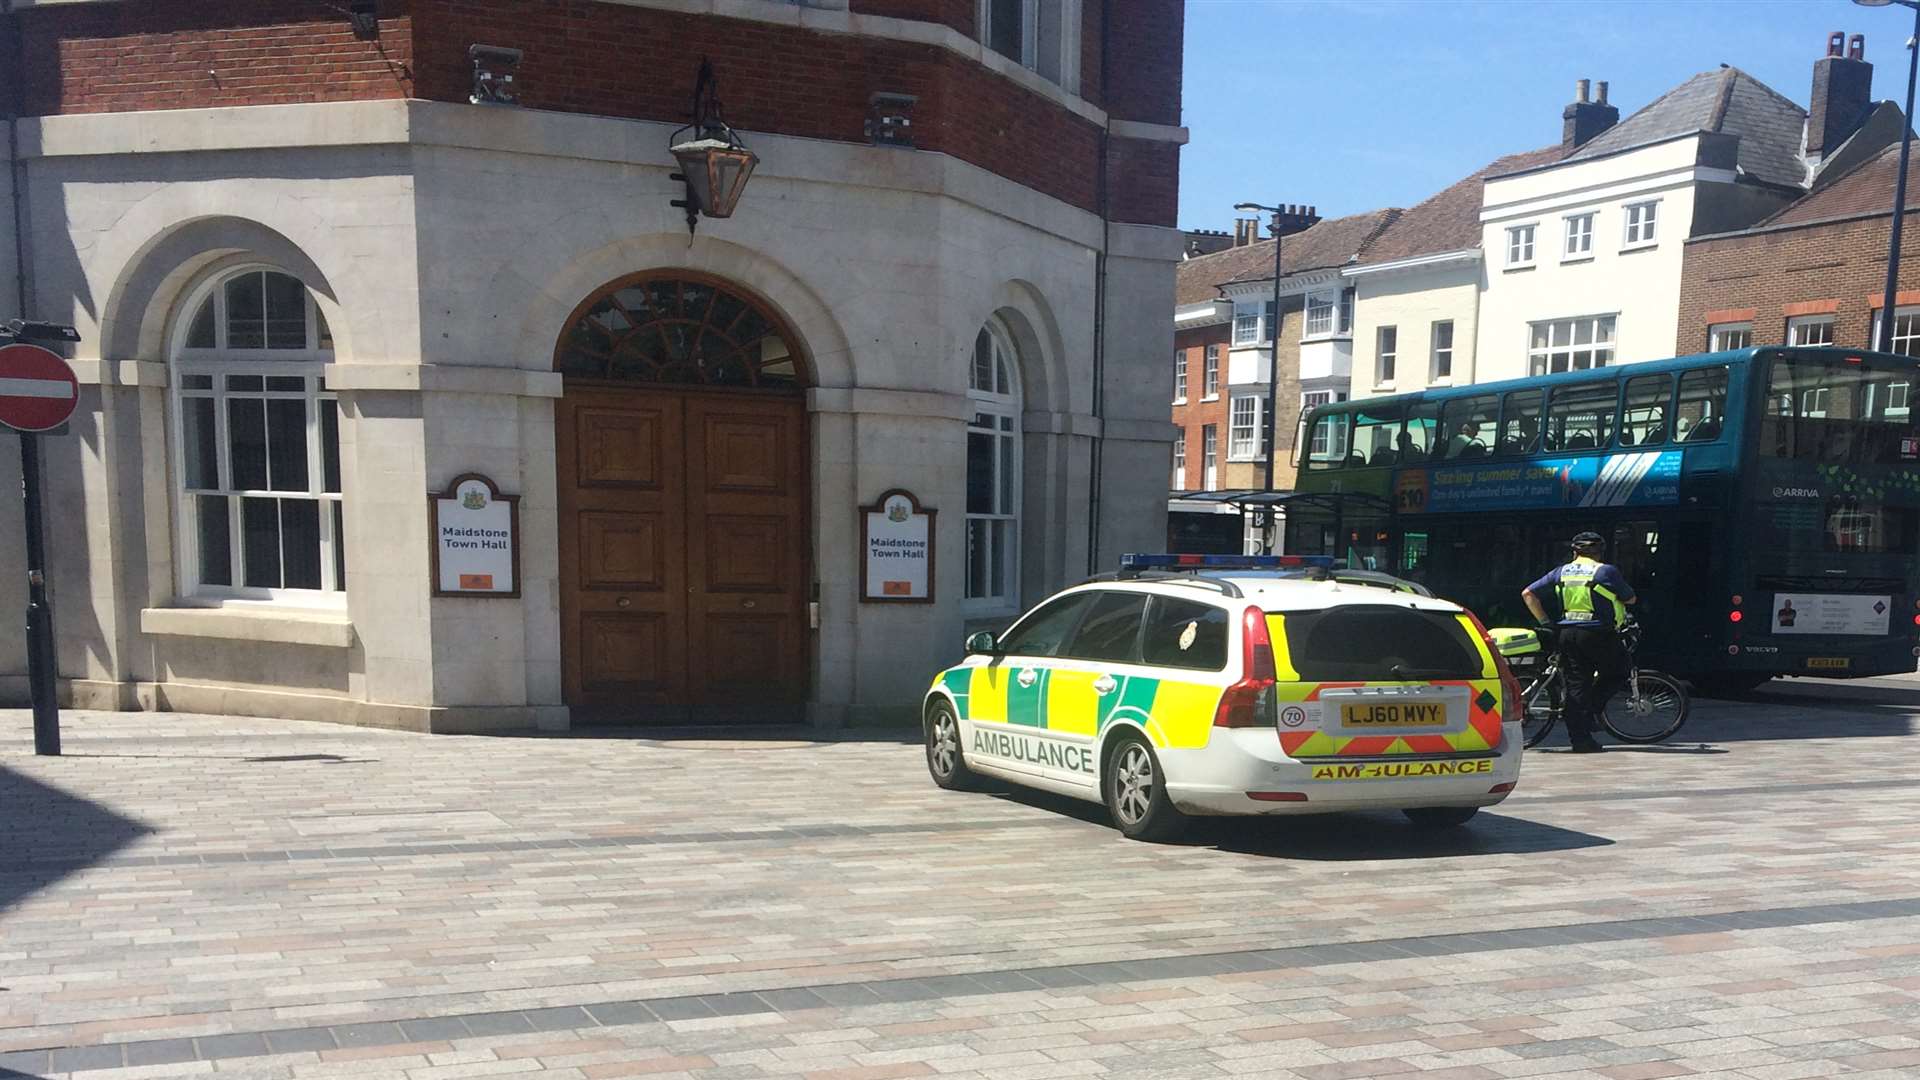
pixel 91 58
pixel 1840 267
pixel 1143 46
pixel 959 14
pixel 1143 179
pixel 1196 413
pixel 616 60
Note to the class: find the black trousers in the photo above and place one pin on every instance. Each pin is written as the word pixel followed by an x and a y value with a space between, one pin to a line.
pixel 1596 668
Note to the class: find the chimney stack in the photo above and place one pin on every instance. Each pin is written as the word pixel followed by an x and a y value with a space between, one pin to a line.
pixel 1245 231
pixel 1584 119
pixel 1842 94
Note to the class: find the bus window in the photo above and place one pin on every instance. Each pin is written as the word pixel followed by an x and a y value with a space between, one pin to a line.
pixel 1703 405
pixel 1376 435
pixel 1327 445
pixel 1467 425
pixel 1636 550
pixel 1843 411
pixel 1417 441
pixel 1520 423
pixel 1644 420
pixel 1581 417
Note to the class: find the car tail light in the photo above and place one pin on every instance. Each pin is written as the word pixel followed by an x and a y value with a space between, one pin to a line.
pixel 1500 789
pixel 1249 702
pixel 1512 710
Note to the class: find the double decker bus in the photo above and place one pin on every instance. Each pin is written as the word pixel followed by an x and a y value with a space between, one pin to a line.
pixel 1764 502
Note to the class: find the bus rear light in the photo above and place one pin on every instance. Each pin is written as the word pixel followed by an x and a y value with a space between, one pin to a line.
pixel 1733 650
pixel 1916 620
pixel 1916 650
pixel 1501 789
pixel 1277 796
pixel 1736 599
pixel 1249 702
pixel 1734 616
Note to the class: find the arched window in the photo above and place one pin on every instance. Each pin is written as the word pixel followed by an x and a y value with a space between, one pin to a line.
pixel 257 443
pixel 677 328
pixel 993 472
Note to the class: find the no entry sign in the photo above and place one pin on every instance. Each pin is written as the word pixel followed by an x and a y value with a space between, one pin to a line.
pixel 37 389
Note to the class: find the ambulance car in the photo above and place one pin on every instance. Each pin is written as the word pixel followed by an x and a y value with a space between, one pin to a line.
pixel 1207 685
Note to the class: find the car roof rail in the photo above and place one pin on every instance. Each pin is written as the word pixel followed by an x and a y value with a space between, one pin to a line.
pixel 1220 585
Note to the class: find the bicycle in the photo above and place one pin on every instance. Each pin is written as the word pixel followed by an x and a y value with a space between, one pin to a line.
pixel 1650 707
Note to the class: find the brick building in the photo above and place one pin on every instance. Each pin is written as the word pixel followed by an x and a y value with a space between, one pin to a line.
pixel 1223 321
pixel 1814 273
pixel 322 266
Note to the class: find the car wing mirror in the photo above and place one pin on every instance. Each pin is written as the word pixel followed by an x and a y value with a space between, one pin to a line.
pixel 983 643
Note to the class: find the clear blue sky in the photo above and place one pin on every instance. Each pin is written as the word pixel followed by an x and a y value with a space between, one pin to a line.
pixel 1352 105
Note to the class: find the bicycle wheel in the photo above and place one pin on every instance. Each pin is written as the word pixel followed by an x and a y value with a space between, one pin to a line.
pixel 1647 710
pixel 1544 697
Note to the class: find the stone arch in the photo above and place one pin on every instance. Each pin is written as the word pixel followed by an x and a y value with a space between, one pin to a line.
pixel 1029 319
pixel 815 331
pixel 167 242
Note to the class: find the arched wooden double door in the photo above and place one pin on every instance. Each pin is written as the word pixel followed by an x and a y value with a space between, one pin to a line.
pixel 682 457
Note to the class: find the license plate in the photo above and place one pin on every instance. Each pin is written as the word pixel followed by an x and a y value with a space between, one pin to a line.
pixel 1398 714
pixel 1829 662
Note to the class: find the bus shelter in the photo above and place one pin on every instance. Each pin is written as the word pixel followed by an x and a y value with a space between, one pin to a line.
pixel 1349 525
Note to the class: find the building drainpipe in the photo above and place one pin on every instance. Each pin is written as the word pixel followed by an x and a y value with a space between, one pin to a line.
pixel 16 107
pixel 1095 452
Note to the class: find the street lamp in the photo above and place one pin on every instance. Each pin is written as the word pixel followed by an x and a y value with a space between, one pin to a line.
pixel 1286 221
pixel 1900 180
pixel 714 163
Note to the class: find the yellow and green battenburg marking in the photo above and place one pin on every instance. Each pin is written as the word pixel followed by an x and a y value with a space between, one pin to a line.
pixel 1173 713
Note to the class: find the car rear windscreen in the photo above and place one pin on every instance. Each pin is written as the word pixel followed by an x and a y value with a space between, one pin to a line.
pixel 1379 643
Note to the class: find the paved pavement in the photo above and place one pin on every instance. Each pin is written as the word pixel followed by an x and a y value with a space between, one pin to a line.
pixel 195 896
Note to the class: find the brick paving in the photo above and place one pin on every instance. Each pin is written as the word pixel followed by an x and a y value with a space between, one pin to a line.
pixel 197 896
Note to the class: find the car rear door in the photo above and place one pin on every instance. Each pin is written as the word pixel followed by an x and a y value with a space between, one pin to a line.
pixel 1384 682
pixel 1090 679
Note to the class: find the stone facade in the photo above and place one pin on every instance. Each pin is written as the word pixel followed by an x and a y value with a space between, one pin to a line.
pixel 449 247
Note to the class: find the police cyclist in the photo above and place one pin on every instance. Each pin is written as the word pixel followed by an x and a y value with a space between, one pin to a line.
pixel 1592 597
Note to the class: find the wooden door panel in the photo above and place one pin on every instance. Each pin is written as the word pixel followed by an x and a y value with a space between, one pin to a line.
pixel 627 654
pixel 746 499
pixel 624 447
pixel 746 453
pixel 746 553
pixel 623 551
pixel 746 658
pixel 623 539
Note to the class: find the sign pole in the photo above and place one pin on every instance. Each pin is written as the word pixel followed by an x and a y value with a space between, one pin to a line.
pixel 40 677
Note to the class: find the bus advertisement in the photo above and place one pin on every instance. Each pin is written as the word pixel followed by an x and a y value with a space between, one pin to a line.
pixel 1764 502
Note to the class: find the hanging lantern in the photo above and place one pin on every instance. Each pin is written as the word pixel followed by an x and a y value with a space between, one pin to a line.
pixel 714 164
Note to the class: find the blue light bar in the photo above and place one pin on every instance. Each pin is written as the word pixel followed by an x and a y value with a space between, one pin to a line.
pixel 1133 563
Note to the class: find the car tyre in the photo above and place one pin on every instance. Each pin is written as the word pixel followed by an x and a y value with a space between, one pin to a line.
pixel 1440 817
pixel 1136 792
pixel 946 761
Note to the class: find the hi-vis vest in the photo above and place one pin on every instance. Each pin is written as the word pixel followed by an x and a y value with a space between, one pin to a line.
pixel 1577 590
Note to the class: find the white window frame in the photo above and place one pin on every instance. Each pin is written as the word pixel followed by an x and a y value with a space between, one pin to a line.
pixel 1436 352
pixel 1601 334
pixel 1577 236
pixel 1386 355
pixel 1640 225
pixel 1180 460
pixel 1210 374
pixel 1179 376
pixel 1062 70
pixel 995 410
pixel 1346 311
pixel 1246 322
pixel 1718 334
pixel 1806 330
pixel 1520 244
pixel 190 364
pixel 1323 312
pixel 1310 400
pixel 1210 457
pixel 1906 330
pixel 1243 432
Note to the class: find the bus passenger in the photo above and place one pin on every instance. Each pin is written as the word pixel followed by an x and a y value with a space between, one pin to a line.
pixel 1593 598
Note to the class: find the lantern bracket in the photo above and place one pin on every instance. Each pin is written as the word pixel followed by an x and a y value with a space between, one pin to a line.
pixel 714 164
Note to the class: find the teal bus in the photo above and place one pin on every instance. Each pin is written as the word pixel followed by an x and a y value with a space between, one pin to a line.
pixel 1765 502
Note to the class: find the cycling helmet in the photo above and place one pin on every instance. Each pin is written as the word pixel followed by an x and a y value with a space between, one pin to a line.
pixel 1589 541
